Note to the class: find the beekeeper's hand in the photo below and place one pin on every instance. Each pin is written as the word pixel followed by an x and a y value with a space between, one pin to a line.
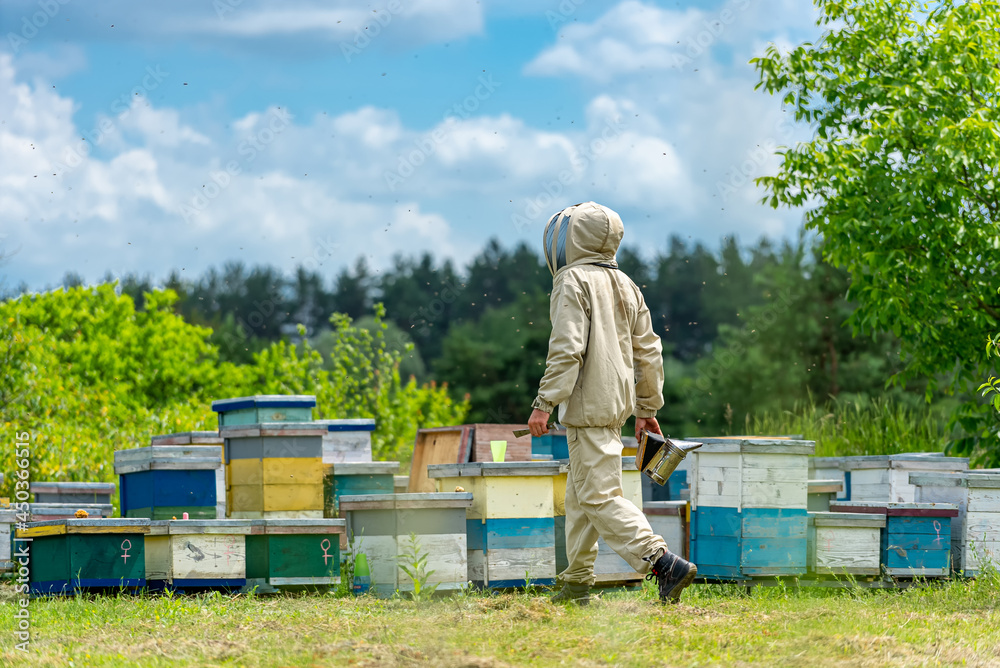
pixel 538 423
pixel 645 424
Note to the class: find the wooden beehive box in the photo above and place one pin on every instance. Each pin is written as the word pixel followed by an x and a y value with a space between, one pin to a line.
pixel 749 498
pixel 886 478
pixel 916 540
pixel 73 492
pixel 552 444
pixel 347 440
pixel 975 537
pixel 159 482
pixel 389 527
pixel 85 554
pixel 356 479
pixel 671 521
pixel 8 518
pixel 274 470
pixel 510 524
pixel 264 408
pixel 829 468
pixel 294 553
pixel 822 493
pixel 845 543
pixel 198 554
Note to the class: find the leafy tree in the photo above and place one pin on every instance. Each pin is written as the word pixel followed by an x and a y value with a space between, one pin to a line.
pixel 900 177
pixel 352 290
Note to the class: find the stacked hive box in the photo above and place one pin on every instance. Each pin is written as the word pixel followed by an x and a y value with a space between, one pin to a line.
pixel 671 521
pixel 264 408
pixel 356 479
pixel 885 478
pixel 75 554
pixel 294 553
pixel 392 529
pixel 845 543
pixel 197 554
pixel 822 493
pixel 274 470
pixel 60 500
pixel 916 540
pixel 212 442
pixel 510 524
pixel 347 440
pixel 160 482
pixel 749 500
pixel 8 518
pixel 975 537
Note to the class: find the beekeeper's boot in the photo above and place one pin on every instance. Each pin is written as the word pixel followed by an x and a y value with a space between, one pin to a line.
pixel 672 575
pixel 572 593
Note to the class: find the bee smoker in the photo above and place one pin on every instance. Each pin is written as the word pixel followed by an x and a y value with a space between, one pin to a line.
pixel 657 456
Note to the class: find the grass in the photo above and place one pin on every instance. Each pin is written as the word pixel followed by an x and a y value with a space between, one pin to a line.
pixel 956 623
pixel 863 427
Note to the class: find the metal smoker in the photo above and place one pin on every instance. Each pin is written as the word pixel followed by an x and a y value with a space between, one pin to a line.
pixel 657 457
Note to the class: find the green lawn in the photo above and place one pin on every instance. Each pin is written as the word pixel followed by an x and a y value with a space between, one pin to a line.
pixel 951 624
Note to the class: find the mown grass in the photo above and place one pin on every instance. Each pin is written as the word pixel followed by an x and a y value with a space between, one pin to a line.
pixel 955 623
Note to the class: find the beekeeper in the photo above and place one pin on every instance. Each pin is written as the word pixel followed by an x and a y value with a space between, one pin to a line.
pixel 604 365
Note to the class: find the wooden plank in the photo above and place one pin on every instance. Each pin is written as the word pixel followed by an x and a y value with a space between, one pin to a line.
pixel 292 470
pixel 609 566
pixel 434 500
pixel 983 500
pixel 434 447
pixel 447 558
pixel 208 557
pixel 297 496
pixel 518 497
pixel 246 472
pixel 847 549
pixel 245 498
pixel 157 555
pixel 381 554
pixel 776 494
pixel 506 567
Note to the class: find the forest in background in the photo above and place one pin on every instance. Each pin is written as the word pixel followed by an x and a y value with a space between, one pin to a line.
pixel 746 329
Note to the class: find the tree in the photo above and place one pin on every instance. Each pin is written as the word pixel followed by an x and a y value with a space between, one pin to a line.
pixel 900 178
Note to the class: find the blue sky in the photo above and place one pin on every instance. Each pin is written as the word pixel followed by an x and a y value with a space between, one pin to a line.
pixel 143 138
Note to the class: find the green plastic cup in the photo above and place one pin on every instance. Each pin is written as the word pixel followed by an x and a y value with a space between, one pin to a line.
pixel 499 449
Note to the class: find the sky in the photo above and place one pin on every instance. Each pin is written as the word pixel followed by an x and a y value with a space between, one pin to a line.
pixel 146 137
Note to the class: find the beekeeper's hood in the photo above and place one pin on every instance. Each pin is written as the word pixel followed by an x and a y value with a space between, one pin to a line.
pixel 585 233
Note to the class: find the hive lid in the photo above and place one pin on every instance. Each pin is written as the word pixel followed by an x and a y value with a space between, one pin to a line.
pixel 84 526
pixel 365 468
pixel 272 429
pixel 761 446
pixel 905 460
pixel 188 438
pixel 896 509
pixel 493 469
pixel 973 478
pixel 869 520
pixel 825 486
pixel 69 508
pixel 407 501
pixel 167 457
pixel 199 526
pixel 72 487
pixel 265 401
pixel 361 424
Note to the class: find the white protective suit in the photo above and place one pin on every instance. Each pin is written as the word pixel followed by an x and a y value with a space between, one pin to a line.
pixel 604 365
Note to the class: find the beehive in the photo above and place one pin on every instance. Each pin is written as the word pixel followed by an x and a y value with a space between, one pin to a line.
pixel 671 521
pixel 294 553
pixel 749 498
pixel 388 527
pixel 347 440
pixel 829 468
pixel 78 554
pixel 886 478
pixel 197 554
pixel 916 540
pixel 159 482
pixel 274 470
pixel 356 479
pixel 264 408
pixel 8 518
pixel 98 493
pixel 553 444
pixel 510 524
pixel 845 543
pixel 975 536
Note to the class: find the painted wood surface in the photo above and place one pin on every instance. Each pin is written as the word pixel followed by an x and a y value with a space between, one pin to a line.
pixel 214 557
pixel 347 440
pixel 188 438
pixel 44 512
pixel 518 449
pixel 73 492
pixel 610 568
pixel 293 497
pixel 447 559
pixel 155 493
pixel 507 568
pixel 264 408
pixel 669 520
pixel 83 557
pixel 847 550
pixel 444 445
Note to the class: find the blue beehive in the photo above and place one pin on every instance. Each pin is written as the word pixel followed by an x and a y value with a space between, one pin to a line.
pixel 160 482
pixel 553 444
pixel 749 498
pixel 916 540
pixel 264 408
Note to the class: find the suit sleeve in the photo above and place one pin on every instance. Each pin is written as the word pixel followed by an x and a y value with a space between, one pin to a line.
pixel 647 352
pixel 570 316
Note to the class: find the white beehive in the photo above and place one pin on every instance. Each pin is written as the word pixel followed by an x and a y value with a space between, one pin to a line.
pixel 886 478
